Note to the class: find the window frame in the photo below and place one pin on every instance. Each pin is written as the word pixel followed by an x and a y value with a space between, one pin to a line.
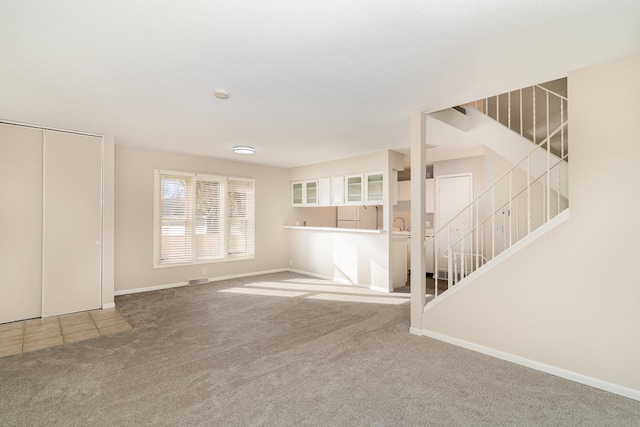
pixel 224 220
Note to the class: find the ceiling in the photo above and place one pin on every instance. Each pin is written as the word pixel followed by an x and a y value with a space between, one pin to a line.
pixel 309 81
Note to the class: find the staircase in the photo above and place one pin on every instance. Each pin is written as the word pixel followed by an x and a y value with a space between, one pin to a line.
pixel 529 195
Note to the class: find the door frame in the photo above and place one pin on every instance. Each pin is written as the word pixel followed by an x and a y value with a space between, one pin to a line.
pixel 437 193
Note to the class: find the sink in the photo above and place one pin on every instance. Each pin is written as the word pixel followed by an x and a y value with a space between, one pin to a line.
pixel 402 233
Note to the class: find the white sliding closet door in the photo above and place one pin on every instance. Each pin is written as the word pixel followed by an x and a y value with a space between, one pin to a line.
pixel 71 279
pixel 20 223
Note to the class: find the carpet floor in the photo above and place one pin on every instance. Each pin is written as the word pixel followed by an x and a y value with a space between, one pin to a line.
pixel 283 350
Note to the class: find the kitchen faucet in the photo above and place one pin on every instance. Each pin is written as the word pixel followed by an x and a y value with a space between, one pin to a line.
pixel 404 226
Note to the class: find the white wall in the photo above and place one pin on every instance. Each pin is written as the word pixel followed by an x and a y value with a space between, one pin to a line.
pixel 359 164
pixel 134 195
pixel 355 258
pixel 569 300
pixel 319 216
pixel 475 165
pixel 108 222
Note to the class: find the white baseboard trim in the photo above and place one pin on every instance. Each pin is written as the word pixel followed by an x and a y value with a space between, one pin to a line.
pixel 379 289
pixel 539 366
pixel 237 276
pixel 181 284
pixel 415 331
pixel 150 288
pixel 109 305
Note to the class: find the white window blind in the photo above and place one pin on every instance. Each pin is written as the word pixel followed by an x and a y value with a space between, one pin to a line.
pixel 209 234
pixel 174 219
pixel 241 216
pixel 203 218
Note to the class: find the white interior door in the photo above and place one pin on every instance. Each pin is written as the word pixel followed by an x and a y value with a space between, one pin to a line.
pixel 454 193
pixel 20 223
pixel 73 223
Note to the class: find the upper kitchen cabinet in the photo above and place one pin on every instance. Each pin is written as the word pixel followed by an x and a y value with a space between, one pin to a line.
pixel 297 193
pixel 373 188
pixel 324 192
pixel 337 190
pixel 353 187
pixel 404 193
pixel 311 192
pixel 431 196
pixel 356 189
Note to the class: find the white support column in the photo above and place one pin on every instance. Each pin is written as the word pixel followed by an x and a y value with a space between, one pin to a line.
pixel 418 217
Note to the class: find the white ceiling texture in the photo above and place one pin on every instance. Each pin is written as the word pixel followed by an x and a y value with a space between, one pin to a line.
pixel 309 81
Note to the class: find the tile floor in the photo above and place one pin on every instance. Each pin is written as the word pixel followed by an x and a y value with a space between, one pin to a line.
pixel 36 334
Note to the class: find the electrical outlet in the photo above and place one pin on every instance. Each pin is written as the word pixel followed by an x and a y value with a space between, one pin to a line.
pixel 290 263
pixel 204 271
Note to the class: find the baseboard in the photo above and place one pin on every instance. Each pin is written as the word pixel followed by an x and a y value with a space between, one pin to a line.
pixel 181 284
pixel 415 331
pixel 109 305
pixel 379 289
pixel 539 366
pixel 150 288
pixel 255 273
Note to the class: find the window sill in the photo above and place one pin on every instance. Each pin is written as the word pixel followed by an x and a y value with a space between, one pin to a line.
pixel 207 261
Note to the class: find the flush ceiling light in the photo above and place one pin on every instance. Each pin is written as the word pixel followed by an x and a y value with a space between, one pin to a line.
pixel 221 94
pixel 244 150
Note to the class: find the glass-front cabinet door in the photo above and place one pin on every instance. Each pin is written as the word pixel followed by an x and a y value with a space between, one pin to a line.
pixel 353 189
pixel 311 192
pixel 373 188
pixel 297 196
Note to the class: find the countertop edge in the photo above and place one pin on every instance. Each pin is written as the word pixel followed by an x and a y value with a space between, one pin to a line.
pixel 340 230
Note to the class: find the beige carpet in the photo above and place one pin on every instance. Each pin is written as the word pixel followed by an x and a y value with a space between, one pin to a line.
pixel 284 350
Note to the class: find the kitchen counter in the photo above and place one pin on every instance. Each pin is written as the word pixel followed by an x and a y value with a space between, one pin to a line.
pixel 428 232
pixel 406 235
pixel 341 230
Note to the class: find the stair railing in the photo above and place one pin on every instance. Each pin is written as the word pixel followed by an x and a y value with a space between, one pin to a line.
pixel 516 204
pixel 533 112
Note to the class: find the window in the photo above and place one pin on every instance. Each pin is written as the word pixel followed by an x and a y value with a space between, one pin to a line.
pixel 202 218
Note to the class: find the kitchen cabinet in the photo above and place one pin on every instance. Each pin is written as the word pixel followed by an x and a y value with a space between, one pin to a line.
pixel 431 196
pixel 297 193
pixel 311 192
pixel 404 193
pixel 324 192
pixel 374 188
pixel 399 247
pixel 337 190
pixel 353 187
pixel 304 193
pixel 428 253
